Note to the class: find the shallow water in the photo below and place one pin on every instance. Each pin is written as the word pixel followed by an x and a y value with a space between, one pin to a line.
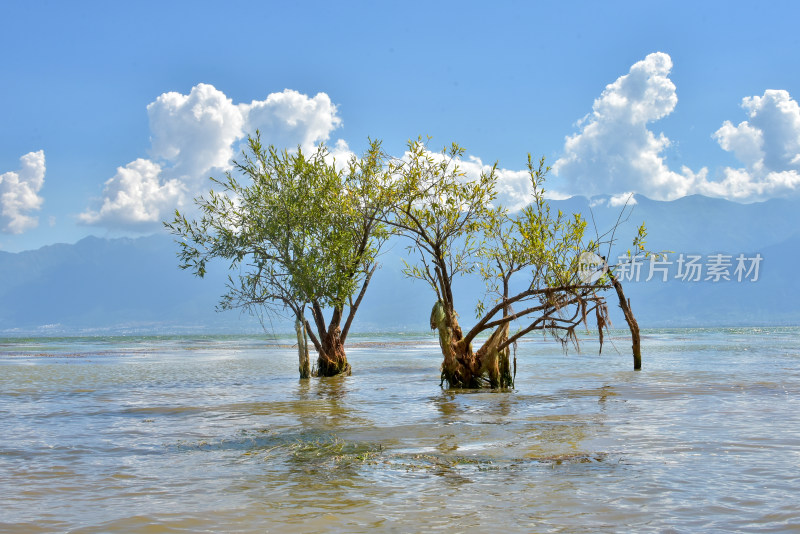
pixel 218 434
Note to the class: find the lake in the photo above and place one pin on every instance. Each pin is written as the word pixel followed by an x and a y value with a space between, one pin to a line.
pixel 194 434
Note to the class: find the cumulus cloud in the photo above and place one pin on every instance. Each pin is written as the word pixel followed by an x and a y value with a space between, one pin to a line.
pixel 513 187
pixel 340 155
pixel 615 152
pixel 768 145
pixel 289 119
pixel 19 194
pixel 195 136
pixel 136 197
pixel 194 133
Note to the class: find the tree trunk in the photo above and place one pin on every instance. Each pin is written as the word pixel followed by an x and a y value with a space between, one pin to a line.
pixel 625 304
pixel 332 359
pixel 461 368
pixel 496 364
pixel 302 350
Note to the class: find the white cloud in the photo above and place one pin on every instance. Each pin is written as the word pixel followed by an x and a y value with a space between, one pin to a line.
pixel 193 137
pixel 745 141
pixel 19 194
pixel 597 201
pixel 513 187
pixel 194 133
pixel 622 199
pixel 340 154
pixel 136 197
pixel 615 152
pixel 289 119
pixel 768 145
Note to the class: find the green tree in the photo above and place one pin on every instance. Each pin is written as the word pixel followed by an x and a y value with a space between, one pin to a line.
pixel 457 228
pixel 302 236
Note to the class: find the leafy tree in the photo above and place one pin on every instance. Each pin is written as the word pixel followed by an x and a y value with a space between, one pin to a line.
pixel 456 228
pixel 302 235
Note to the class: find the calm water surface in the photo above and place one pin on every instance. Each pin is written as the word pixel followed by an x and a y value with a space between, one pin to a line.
pixel 218 434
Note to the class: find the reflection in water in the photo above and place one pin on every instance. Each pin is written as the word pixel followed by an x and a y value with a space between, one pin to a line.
pixel 605 392
pixel 446 404
pixel 332 388
pixel 220 435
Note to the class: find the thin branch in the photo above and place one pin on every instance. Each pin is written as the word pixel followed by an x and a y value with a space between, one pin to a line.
pixel 354 307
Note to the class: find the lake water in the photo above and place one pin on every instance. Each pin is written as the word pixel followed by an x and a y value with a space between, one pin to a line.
pixel 218 434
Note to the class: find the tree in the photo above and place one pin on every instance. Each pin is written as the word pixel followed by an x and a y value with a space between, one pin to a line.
pixel 303 235
pixel 456 228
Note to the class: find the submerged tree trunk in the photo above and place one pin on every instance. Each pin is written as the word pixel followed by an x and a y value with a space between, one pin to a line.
pixel 332 359
pixel 625 304
pixel 496 364
pixel 463 368
pixel 302 350
pixel 496 360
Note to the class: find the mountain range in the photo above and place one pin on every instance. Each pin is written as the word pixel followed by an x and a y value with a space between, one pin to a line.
pixel 134 285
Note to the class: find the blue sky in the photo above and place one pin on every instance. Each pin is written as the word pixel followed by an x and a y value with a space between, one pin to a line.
pixel 115 113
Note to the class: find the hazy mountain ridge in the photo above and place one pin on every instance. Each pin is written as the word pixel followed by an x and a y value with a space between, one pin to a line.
pixel 127 285
pixel 103 283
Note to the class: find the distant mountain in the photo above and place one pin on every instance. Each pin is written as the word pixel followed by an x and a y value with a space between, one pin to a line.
pixel 697 225
pixel 771 300
pixel 120 285
pixel 134 285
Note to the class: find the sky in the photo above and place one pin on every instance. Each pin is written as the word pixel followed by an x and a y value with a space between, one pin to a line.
pixel 113 114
